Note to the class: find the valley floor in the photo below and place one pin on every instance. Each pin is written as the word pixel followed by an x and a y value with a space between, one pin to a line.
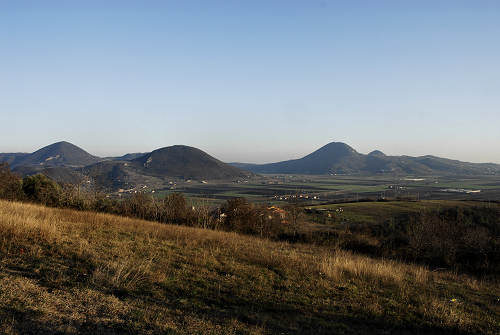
pixel 64 271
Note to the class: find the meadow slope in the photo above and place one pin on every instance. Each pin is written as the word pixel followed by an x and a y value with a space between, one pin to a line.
pixel 64 271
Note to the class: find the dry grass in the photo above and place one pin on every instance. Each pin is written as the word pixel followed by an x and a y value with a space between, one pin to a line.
pixel 66 271
pixel 60 310
pixel 343 264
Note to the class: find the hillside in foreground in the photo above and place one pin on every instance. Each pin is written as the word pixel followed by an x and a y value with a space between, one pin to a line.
pixel 63 271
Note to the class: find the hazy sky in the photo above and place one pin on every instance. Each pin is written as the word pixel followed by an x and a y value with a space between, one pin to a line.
pixel 252 81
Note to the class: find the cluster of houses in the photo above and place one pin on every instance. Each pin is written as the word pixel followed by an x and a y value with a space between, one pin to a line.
pixel 134 190
pixel 294 196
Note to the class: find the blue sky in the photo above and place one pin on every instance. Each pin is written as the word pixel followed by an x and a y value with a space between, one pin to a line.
pixel 252 81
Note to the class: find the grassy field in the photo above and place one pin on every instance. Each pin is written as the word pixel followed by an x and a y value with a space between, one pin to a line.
pixel 63 271
pixel 380 211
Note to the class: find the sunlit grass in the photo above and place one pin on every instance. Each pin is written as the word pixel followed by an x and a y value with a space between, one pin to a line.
pixel 68 271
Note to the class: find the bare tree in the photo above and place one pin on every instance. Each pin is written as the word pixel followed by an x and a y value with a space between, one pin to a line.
pixel 294 213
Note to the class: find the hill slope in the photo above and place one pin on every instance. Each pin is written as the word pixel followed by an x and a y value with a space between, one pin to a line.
pixel 64 271
pixel 186 162
pixel 113 175
pixel 60 174
pixel 127 157
pixel 339 158
pixel 175 162
pixel 333 157
pixel 11 158
pixel 58 154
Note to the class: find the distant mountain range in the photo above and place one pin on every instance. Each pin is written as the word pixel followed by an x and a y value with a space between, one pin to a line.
pixel 65 162
pixel 339 158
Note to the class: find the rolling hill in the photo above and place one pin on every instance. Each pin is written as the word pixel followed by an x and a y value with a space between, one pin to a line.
pixel 57 154
pixel 339 158
pixel 334 157
pixel 174 162
pixel 186 162
pixel 60 174
pixel 113 175
pixel 67 163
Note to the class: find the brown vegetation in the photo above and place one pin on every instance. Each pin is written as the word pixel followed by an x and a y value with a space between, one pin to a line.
pixel 66 271
pixel 462 237
pixel 236 215
pixel 457 238
pixel 10 184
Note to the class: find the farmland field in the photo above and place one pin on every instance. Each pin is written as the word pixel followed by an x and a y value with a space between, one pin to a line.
pixel 380 211
pixel 323 189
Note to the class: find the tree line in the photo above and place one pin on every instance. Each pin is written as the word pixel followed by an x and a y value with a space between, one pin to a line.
pixel 236 214
pixel 463 239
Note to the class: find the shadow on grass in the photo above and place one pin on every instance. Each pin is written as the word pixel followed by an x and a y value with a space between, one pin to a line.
pixel 287 318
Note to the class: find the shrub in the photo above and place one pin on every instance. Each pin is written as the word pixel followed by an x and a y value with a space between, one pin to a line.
pixel 176 209
pixel 240 216
pixel 39 188
pixel 457 238
pixel 10 184
pixel 138 205
pixel 104 204
pixel 244 217
pixel 294 215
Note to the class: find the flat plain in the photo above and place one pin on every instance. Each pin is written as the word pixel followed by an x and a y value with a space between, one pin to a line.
pixel 318 189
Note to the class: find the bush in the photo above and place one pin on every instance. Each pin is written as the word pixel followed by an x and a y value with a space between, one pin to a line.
pixel 41 189
pixel 171 209
pixel 240 216
pixel 244 217
pixel 104 204
pixel 138 205
pixel 10 184
pixel 176 209
pixel 466 239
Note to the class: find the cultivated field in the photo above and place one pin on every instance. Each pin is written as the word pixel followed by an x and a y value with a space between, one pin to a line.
pixel 381 211
pixel 64 271
pixel 339 188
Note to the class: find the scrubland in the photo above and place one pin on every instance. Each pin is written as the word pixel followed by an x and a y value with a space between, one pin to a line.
pixel 66 271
